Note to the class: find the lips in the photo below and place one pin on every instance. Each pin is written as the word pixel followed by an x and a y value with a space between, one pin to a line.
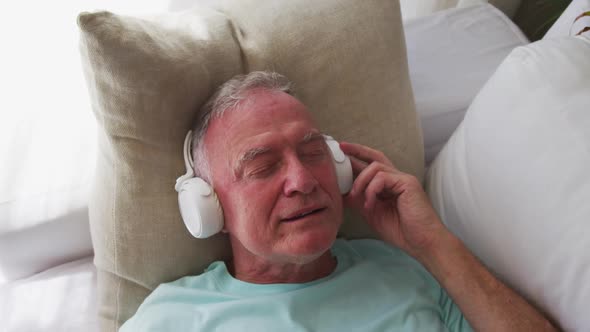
pixel 302 213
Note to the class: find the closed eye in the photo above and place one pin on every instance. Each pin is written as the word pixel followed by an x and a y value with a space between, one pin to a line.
pixel 261 170
pixel 314 154
pixel 315 150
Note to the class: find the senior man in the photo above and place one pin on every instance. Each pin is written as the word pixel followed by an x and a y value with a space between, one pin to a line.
pixel 272 171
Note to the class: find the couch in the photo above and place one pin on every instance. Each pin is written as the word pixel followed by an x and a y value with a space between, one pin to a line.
pixel 49 280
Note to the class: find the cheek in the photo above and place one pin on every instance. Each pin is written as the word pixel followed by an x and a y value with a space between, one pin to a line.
pixel 249 207
pixel 260 200
pixel 328 179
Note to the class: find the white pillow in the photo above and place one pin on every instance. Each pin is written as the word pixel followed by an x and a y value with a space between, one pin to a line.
pixel 45 174
pixel 513 181
pixel 412 8
pixel 565 25
pixel 466 56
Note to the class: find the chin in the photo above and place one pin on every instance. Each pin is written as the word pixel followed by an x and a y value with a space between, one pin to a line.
pixel 311 245
pixel 310 238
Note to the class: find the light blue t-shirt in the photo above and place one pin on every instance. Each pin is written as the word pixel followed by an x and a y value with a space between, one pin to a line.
pixel 374 287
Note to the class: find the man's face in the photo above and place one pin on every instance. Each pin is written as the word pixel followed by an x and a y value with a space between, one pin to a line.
pixel 274 177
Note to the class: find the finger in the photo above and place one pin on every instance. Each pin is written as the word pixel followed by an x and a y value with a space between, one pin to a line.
pixel 357 166
pixel 353 202
pixel 380 189
pixel 367 175
pixel 364 153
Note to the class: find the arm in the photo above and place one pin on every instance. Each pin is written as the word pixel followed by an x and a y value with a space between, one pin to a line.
pixel 396 206
pixel 487 303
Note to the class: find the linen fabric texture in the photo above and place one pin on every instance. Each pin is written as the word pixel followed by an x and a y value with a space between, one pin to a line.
pixel 374 287
pixel 148 78
pixel 512 182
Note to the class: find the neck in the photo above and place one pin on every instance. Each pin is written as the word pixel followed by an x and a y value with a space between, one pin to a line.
pixel 259 271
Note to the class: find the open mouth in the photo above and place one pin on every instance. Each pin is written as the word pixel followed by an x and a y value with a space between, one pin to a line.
pixel 303 215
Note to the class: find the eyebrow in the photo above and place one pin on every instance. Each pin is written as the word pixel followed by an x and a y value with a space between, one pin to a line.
pixel 252 154
pixel 311 136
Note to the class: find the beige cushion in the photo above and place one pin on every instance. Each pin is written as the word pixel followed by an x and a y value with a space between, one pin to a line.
pixel 148 77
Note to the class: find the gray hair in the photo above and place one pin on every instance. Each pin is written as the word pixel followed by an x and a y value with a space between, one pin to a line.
pixel 230 96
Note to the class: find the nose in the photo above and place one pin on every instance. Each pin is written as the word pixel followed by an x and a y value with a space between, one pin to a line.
pixel 298 179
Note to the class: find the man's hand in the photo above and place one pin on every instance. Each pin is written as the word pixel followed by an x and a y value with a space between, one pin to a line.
pixel 392 202
pixel 397 207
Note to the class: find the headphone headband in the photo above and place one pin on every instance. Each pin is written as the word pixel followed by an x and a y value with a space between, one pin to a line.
pixel 188 160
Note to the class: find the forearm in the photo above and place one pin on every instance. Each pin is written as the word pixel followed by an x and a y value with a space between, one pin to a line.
pixel 395 204
pixel 486 302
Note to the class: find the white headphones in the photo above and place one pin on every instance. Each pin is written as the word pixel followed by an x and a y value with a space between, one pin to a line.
pixel 198 203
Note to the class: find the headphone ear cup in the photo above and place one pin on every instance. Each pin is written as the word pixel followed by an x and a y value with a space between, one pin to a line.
pixel 344 173
pixel 200 208
pixel 342 165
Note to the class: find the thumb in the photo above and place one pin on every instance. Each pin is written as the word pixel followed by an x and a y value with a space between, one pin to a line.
pixel 353 202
